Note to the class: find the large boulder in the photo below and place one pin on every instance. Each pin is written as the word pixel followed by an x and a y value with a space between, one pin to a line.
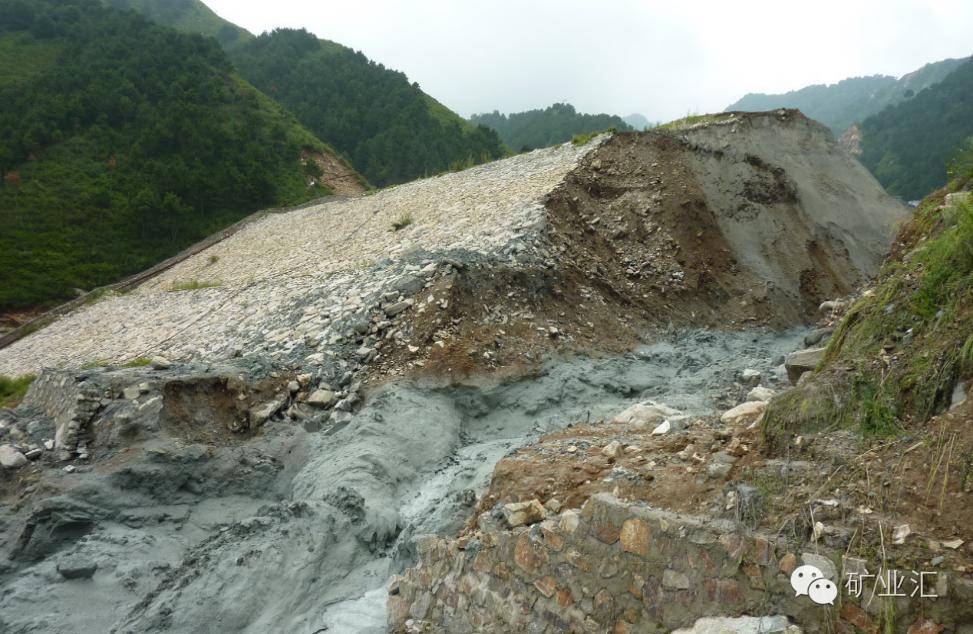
pixel 10 458
pixel 797 363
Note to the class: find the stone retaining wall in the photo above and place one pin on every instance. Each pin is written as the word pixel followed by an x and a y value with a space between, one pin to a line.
pixel 616 567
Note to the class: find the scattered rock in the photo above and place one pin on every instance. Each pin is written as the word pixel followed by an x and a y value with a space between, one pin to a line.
pixel 612 449
pixel 797 363
pixel 663 428
pixel 394 309
pixel 160 363
pixel 718 470
pixel 10 458
pixel 262 413
pixel 817 336
pixel 900 532
pixel 750 376
pixel 321 398
pixel 77 568
pixel 131 393
pixel 760 393
pixel 744 413
pixel 645 414
pixel 522 513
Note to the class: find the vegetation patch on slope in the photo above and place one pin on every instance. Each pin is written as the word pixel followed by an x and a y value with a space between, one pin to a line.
pixel 904 345
pixel 13 389
pixel 137 142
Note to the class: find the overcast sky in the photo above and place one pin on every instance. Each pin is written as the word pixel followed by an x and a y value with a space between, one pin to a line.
pixel 661 59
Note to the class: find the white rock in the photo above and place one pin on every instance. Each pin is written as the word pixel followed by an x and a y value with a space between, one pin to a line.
pixel 663 428
pixel 741 625
pixel 744 413
pixel 10 458
pixel 612 449
pixel 321 398
pixel 760 393
pixel 521 513
pixel 645 414
pixel 160 363
pixel 750 375
pixel 900 532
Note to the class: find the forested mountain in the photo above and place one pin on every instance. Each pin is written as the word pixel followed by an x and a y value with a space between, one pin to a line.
pixel 190 16
pixel 555 124
pixel 908 146
pixel 389 128
pixel 121 142
pixel 850 101
pixel 386 126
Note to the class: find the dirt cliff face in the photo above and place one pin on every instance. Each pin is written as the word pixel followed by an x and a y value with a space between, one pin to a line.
pixel 324 384
pixel 754 219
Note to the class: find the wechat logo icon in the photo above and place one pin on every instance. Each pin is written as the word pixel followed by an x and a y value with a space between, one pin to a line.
pixel 810 581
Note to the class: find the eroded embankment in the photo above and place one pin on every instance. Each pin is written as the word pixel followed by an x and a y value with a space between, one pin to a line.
pixel 184 526
pixel 302 418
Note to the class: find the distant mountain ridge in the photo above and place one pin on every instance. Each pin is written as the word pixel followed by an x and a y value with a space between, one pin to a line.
pixel 190 16
pixel 908 146
pixel 852 100
pixel 555 124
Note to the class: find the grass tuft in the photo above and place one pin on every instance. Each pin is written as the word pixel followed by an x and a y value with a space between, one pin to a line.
pixel 13 389
pixel 402 222
pixel 193 285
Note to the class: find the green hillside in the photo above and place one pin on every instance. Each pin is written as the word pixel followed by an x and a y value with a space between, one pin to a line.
pixel 543 128
pixel 122 142
pixel 389 128
pixel 190 16
pixel 850 101
pixel 908 146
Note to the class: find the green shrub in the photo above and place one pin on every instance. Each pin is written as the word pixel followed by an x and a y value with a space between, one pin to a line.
pixel 402 222
pixel 13 389
pixel 193 285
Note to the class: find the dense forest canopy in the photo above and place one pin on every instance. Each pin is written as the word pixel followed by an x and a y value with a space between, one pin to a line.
pixel 129 142
pixel 850 101
pixel 908 146
pixel 556 124
pixel 389 128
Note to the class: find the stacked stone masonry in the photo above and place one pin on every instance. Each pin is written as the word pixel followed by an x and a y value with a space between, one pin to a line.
pixel 618 567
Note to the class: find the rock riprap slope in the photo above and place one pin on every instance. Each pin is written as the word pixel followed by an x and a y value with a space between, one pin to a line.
pixel 750 219
pixel 294 274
